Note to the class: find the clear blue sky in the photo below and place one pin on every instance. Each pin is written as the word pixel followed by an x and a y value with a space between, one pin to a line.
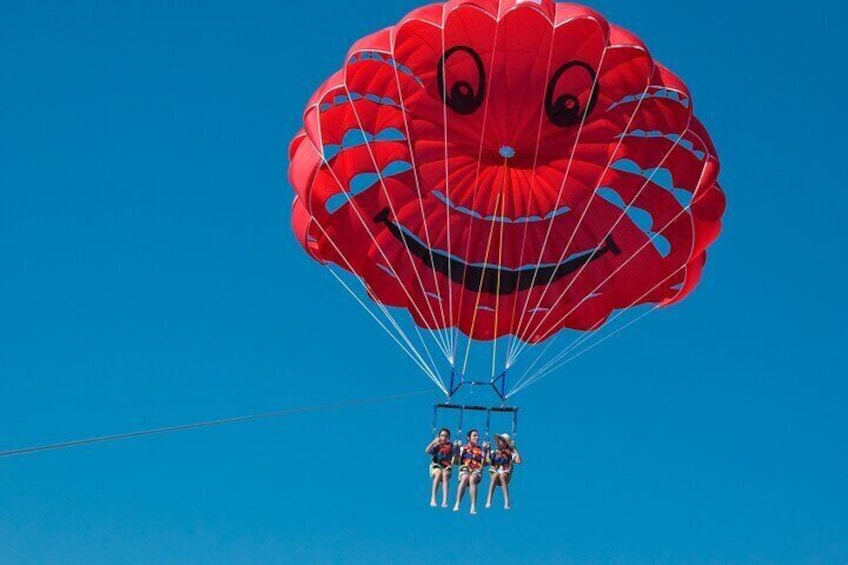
pixel 148 277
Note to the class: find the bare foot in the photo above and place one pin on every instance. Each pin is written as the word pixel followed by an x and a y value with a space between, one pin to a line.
pixel 488 504
pixel 473 511
pixel 456 508
pixel 433 503
pixel 507 507
pixel 445 504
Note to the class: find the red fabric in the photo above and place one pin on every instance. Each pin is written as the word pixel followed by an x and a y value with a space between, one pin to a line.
pixel 515 74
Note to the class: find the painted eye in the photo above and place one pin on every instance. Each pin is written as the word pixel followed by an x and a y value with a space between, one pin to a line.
pixel 461 80
pixel 571 94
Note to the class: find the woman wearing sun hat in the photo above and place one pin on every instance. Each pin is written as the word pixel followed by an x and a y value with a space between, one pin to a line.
pixel 501 459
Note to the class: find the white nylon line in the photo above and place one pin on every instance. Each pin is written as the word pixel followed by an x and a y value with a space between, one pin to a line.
pixel 454 332
pixel 586 336
pixel 437 335
pixel 530 192
pixel 370 235
pixel 620 218
pixel 498 289
pixel 480 288
pixel 553 363
pixel 556 367
pixel 385 311
pixel 575 356
pixel 431 368
pixel 514 343
pixel 609 231
pixel 682 211
pixel 477 175
pixel 517 346
pixel 506 185
pixel 418 361
pixel 695 197
pixel 402 101
pixel 562 188
pixel 538 358
pixel 429 371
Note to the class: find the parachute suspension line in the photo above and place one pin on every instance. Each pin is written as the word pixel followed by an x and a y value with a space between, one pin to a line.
pixel 429 370
pixel 559 194
pixel 437 334
pixel 205 424
pixel 661 113
pixel 498 200
pixel 436 286
pixel 517 345
pixel 540 375
pixel 513 336
pixel 374 241
pixel 500 262
pixel 508 191
pixel 592 346
pixel 588 335
pixel 453 332
pixel 412 352
pixel 556 362
pixel 474 192
pixel 538 358
pixel 682 267
pixel 621 217
pixel 684 210
pixel 609 231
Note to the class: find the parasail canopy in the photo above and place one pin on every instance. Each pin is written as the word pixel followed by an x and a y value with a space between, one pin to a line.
pixel 504 170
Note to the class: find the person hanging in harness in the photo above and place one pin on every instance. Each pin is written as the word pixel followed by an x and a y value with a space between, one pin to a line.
pixel 472 457
pixel 501 460
pixel 442 452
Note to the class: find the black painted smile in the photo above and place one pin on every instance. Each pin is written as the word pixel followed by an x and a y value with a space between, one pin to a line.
pixel 487 278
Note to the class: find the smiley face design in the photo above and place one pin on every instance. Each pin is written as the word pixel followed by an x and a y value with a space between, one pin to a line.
pixel 512 167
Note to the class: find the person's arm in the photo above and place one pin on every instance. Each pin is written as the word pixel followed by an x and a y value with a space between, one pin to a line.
pixel 516 457
pixel 429 449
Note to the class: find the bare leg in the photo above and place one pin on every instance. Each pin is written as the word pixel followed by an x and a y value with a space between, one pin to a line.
pixel 505 488
pixel 475 478
pixel 463 482
pixel 437 477
pixel 445 483
pixel 495 479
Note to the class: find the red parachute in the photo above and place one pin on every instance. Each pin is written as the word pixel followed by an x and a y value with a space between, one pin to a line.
pixel 507 168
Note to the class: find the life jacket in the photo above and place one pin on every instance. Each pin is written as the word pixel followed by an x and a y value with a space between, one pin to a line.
pixel 472 456
pixel 443 454
pixel 502 458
